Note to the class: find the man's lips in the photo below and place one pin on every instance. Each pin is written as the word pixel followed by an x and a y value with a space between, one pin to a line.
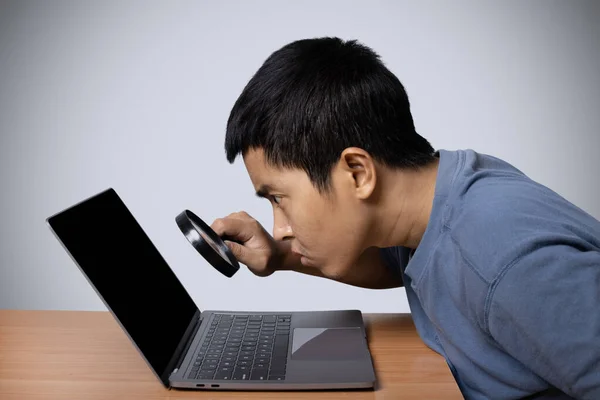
pixel 298 252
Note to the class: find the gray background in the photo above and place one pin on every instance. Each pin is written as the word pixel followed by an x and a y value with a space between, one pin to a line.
pixel 135 95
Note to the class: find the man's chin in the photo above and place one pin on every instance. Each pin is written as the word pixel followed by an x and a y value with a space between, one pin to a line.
pixel 335 272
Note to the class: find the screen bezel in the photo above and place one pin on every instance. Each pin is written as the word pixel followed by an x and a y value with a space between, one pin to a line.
pixel 163 376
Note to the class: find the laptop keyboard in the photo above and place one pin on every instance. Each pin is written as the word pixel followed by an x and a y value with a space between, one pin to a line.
pixel 244 347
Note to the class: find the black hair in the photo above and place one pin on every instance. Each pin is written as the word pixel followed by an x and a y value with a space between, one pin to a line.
pixel 313 98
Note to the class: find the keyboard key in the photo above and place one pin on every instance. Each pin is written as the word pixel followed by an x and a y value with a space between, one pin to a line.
pixel 255 318
pixel 206 375
pixel 228 359
pixel 262 360
pixel 258 375
pixel 223 375
pixel 277 372
pixel 269 318
pixel 246 358
pixel 240 375
pixel 260 366
pixel 245 363
pixel 278 362
pixel 276 377
pixel 226 364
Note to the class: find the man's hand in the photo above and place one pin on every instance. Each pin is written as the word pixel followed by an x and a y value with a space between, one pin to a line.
pixel 251 244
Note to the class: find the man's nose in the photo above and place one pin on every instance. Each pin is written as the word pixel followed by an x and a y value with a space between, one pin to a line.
pixel 282 229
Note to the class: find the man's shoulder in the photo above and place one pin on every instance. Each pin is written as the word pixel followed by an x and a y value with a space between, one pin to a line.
pixel 499 213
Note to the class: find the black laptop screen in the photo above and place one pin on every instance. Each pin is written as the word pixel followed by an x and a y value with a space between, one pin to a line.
pixel 129 274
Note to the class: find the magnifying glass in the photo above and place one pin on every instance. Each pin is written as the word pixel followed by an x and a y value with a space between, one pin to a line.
pixel 207 243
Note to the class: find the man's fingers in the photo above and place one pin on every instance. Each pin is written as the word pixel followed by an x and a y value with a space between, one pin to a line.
pixel 239 251
pixel 233 228
pixel 240 214
pixel 250 258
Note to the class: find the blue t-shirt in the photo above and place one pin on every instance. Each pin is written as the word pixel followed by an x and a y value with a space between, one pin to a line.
pixel 505 283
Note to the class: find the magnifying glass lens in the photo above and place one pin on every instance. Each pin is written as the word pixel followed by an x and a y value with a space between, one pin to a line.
pixel 210 242
pixel 207 243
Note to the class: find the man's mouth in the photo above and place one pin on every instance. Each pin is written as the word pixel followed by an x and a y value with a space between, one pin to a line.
pixel 296 251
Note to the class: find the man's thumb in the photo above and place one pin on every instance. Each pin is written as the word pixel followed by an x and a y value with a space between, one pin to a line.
pixel 238 251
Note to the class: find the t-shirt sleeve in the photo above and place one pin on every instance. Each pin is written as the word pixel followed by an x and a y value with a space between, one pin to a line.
pixel 544 310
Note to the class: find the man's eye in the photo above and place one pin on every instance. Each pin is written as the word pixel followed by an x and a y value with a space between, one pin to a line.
pixel 276 199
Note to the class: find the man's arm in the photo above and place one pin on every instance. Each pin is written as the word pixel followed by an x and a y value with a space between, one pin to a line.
pixel 545 312
pixel 370 271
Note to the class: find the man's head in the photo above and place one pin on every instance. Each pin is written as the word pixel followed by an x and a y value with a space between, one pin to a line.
pixel 315 124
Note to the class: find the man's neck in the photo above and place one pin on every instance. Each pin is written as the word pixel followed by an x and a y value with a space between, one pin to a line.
pixel 405 206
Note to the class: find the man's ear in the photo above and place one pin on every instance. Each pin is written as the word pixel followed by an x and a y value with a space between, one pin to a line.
pixel 359 167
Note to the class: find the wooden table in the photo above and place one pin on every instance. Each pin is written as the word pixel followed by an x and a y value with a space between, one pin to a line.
pixel 86 355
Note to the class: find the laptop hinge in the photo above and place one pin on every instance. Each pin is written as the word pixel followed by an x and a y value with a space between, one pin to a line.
pixel 188 344
pixel 183 348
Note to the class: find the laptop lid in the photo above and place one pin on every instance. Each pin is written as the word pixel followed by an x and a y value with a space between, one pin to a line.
pixel 131 277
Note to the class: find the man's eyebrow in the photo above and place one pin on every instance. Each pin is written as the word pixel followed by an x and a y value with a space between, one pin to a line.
pixel 263 191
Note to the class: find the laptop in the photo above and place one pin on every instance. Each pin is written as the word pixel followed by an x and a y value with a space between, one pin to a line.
pixel 187 348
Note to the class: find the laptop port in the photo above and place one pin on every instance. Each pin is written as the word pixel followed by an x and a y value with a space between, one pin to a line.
pixel 214 385
pixel 200 385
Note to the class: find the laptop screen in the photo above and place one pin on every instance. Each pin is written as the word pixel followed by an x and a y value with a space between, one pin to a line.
pixel 128 272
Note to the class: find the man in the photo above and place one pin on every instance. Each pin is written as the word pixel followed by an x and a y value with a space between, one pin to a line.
pixel 502 274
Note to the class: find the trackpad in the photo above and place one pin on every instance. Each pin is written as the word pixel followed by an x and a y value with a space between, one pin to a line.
pixel 331 344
